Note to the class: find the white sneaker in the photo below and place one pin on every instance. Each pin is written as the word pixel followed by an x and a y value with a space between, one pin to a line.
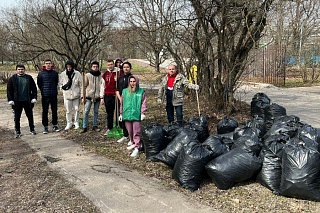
pixel 135 153
pixel 130 143
pixel 121 140
pixel 131 147
pixel 76 125
pixel 69 125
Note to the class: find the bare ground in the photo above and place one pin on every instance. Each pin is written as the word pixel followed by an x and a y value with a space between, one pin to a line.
pixel 28 184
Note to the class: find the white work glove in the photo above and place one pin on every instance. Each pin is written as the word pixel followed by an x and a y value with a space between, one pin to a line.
pixel 196 87
pixel 33 101
pixel 143 117
pixel 120 118
pixel 159 101
pixel 11 103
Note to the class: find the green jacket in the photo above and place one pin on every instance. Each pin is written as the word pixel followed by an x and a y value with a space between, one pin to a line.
pixel 132 104
pixel 178 88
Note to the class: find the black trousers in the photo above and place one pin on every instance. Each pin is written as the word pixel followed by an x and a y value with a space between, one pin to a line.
pixel 46 101
pixel 17 108
pixel 109 103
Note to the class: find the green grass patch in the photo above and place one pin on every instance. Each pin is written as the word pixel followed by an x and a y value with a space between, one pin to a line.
pixel 3 91
pixel 296 82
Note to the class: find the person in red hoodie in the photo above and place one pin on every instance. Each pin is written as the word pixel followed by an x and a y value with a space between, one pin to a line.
pixel 110 77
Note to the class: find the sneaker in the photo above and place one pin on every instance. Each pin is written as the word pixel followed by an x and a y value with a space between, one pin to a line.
pixel 45 130
pixel 131 147
pixel 135 153
pixel 55 128
pixel 130 143
pixel 69 126
pixel 18 134
pixel 32 132
pixel 123 139
pixel 84 130
pixel 76 125
pixel 106 132
pixel 96 129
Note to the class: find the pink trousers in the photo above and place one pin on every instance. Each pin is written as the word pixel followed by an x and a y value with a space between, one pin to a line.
pixel 134 130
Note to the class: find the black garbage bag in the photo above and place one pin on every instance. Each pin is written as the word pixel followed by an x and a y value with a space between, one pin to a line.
pixel 272 112
pixel 251 143
pixel 227 125
pixel 245 131
pixel 171 131
pixel 280 138
pixel 189 169
pixel 170 154
pixel 259 103
pixel 259 123
pixel 154 140
pixel 290 120
pixel 227 139
pixel 310 132
pixel 271 170
pixel 233 167
pixel 216 145
pixel 282 128
pixel 200 125
pixel 300 172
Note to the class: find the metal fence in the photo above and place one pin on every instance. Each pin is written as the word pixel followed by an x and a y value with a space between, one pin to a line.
pixel 267 65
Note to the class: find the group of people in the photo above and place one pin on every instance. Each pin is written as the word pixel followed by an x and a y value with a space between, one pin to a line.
pixel 116 88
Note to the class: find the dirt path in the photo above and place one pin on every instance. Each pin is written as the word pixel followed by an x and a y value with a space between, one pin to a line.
pixel 28 184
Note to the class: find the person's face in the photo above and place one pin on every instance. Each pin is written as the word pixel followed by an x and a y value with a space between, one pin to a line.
pixel 69 68
pixel 118 63
pixel 132 83
pixel 171 70
pixel 110 65
pixel 21 71
pixel 95 67
pixel 48 65
pixel 126 68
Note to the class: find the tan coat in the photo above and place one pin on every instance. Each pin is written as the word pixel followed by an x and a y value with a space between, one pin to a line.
pixel 75 91
pixel 94 86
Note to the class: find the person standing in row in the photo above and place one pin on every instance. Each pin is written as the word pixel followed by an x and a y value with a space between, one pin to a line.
pixel 47 81
pixel 71 84
pixel 123 82
pixel 172 87
pixel 93 94
pixel 110 80
pixel 132 112
pixel 22 95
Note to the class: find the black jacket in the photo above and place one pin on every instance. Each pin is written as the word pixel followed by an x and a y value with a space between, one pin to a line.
pixel 48 83
pixel 123 82
pixel 12 88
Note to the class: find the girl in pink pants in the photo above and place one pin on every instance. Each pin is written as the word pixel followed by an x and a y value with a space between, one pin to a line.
pixel 132 110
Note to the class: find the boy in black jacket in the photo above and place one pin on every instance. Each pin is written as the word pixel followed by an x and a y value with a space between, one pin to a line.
pixel 22 94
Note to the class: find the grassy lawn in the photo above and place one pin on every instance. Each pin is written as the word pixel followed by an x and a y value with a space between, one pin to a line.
pixel 3 91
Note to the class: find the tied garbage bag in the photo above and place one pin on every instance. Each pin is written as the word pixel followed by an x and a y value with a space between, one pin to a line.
pixel 251 143
pixel 272 112
pixel 233 167
pixel 280 138
pixel 300 172
pixel 245 131
pixel 216 145
pixel 170 154
pixel 310 132
pixel 282 128
pixel 226 125
pixel 154 140
pixel 258 123
pixel 259 103
pixel 227 139
pixel 200 125
pixel 189 169
pixel 270 173
pixel 171 131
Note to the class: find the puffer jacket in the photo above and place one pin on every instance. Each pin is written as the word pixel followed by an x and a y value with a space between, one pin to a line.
pixel 94 86
pixel 47 81
pixel 75 91
pixel 178 89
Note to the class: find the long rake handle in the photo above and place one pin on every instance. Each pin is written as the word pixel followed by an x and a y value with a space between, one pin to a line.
pixel 198 102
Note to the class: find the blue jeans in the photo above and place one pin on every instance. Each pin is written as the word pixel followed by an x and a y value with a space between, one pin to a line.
pixel 87 108
pixel 170 109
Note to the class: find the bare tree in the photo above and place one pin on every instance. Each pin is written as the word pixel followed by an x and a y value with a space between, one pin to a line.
pixel 66 29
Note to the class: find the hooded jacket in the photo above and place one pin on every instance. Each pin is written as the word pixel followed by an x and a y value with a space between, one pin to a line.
pixel 74 91
pixel 110 79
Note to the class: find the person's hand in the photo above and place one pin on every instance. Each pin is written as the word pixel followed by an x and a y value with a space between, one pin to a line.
pixel 101 101
pixel 33 101
pixel 120 118
pixel 11 103
pixel 196 87
pixel 143 117
pixel 159 101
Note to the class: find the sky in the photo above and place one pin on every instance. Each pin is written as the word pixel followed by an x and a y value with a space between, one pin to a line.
pixel 8 3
